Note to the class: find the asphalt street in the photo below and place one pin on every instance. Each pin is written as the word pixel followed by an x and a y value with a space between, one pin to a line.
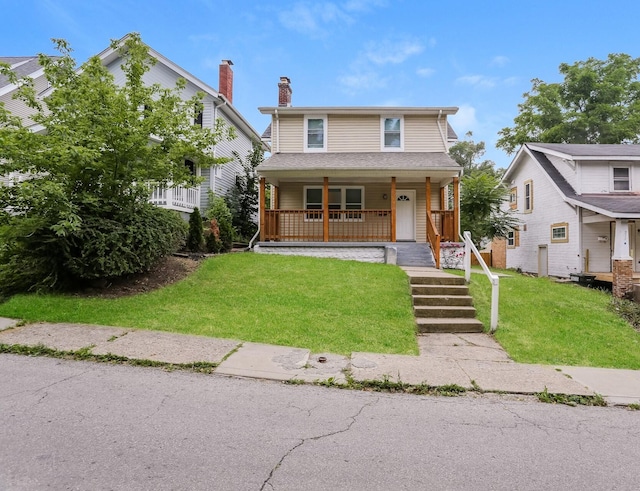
pixel 82 425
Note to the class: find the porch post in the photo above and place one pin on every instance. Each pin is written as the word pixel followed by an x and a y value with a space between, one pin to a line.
pixel 262 208
pixel 456 209
pixel 427 193
pixel 393 209
pixel 622 284
pixel 442 198
pixel 325 210
pixel 275 192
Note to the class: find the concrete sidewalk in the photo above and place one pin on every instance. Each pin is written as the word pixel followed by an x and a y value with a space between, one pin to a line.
pixel 473 361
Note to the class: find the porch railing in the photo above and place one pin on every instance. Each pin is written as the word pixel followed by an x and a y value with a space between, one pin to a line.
pixel 344 225
pixel 443 221
pixel 433 237
pixel 175 198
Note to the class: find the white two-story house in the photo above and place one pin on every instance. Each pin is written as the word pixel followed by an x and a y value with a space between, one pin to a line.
pixel 357 177
pixel 579 208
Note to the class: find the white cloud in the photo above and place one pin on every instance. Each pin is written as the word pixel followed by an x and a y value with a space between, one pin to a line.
pixel 464 120
pixel 499 61
pixel 425 72
pixel 356 82
pixel 312 19
pixel 394 52
pixel 511 81
pixel 480 81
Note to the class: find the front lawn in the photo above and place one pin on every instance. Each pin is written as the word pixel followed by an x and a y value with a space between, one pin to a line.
pixel 324 305
pixel 542 321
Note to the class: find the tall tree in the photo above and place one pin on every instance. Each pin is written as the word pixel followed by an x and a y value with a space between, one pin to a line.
pixel 482 193
pixel 597 102
pixel 243 198
pixel 83 211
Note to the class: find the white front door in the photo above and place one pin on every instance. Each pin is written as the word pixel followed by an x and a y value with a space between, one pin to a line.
pixel 406 215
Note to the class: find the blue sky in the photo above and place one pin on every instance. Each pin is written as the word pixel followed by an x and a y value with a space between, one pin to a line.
pixel 477 55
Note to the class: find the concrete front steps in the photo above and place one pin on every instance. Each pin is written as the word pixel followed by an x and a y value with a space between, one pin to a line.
pixel 441 302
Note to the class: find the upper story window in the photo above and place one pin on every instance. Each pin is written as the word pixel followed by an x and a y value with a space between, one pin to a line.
pixel 315 134
pixel 528 196
pixel 621 178
pixel 513 198
pixel 392 133
pixel 197 120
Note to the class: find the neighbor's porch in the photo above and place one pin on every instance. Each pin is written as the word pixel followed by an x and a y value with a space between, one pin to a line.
pixel 377 212
pixel 177 198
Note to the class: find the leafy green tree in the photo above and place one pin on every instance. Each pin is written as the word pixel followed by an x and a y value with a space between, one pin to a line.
pixel 481 194
pixel 481 199
pixel 597 102
pixel 243 197
pixel 468 154
pixel 100 148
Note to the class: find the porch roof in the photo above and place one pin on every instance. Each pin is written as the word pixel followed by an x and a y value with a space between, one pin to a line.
pixel 360 165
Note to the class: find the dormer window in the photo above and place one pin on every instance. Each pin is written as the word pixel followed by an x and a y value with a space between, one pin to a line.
pixel 621 179
pixel 315 136
pixel 392 133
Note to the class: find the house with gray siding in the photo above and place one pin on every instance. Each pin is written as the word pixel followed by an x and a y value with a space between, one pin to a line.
pixel 217 105
pixel 579 210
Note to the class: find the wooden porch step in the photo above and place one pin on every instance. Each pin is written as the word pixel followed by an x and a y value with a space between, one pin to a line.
pixel 444 325
pixel 442 300
pixel 444 311
pixel 423 289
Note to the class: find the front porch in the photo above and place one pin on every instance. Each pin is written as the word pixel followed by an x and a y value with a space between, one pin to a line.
pixel 177 198
pixel 391 212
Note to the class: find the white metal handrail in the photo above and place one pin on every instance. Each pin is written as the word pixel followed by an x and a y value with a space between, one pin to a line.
pixel 494 279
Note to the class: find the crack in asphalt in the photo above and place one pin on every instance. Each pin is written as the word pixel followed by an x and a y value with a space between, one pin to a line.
pixel 313 438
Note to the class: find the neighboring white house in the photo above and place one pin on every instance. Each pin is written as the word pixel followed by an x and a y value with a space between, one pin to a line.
pixel 579 208
pixel 218 104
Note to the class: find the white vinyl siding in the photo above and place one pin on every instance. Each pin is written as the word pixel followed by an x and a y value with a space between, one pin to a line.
pixel 534 229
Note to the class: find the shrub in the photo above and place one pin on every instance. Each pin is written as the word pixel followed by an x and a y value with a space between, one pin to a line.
pixel 212 237
pixel 219 211
pixel 195 239
pixel 108 241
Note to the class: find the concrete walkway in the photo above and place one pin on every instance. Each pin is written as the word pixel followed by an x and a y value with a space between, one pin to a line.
pixel 473 361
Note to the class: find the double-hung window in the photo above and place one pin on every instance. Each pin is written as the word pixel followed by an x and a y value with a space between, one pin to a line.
pixel 315 134
pixel 345 202
pixel 621 179
pixel 513 198
pixel 528 196
pixel 392 137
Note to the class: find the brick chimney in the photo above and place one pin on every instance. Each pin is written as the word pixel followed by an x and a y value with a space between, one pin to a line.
pixel 225 87
pixel 284 92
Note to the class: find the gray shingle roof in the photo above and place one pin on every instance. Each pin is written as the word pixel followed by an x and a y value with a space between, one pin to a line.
pixel 614 204
pixel 591 150
pixel 26 66
pixel 359 161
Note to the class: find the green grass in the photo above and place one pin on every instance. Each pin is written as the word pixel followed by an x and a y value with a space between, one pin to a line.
pixel 324 305
pixel 541 321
